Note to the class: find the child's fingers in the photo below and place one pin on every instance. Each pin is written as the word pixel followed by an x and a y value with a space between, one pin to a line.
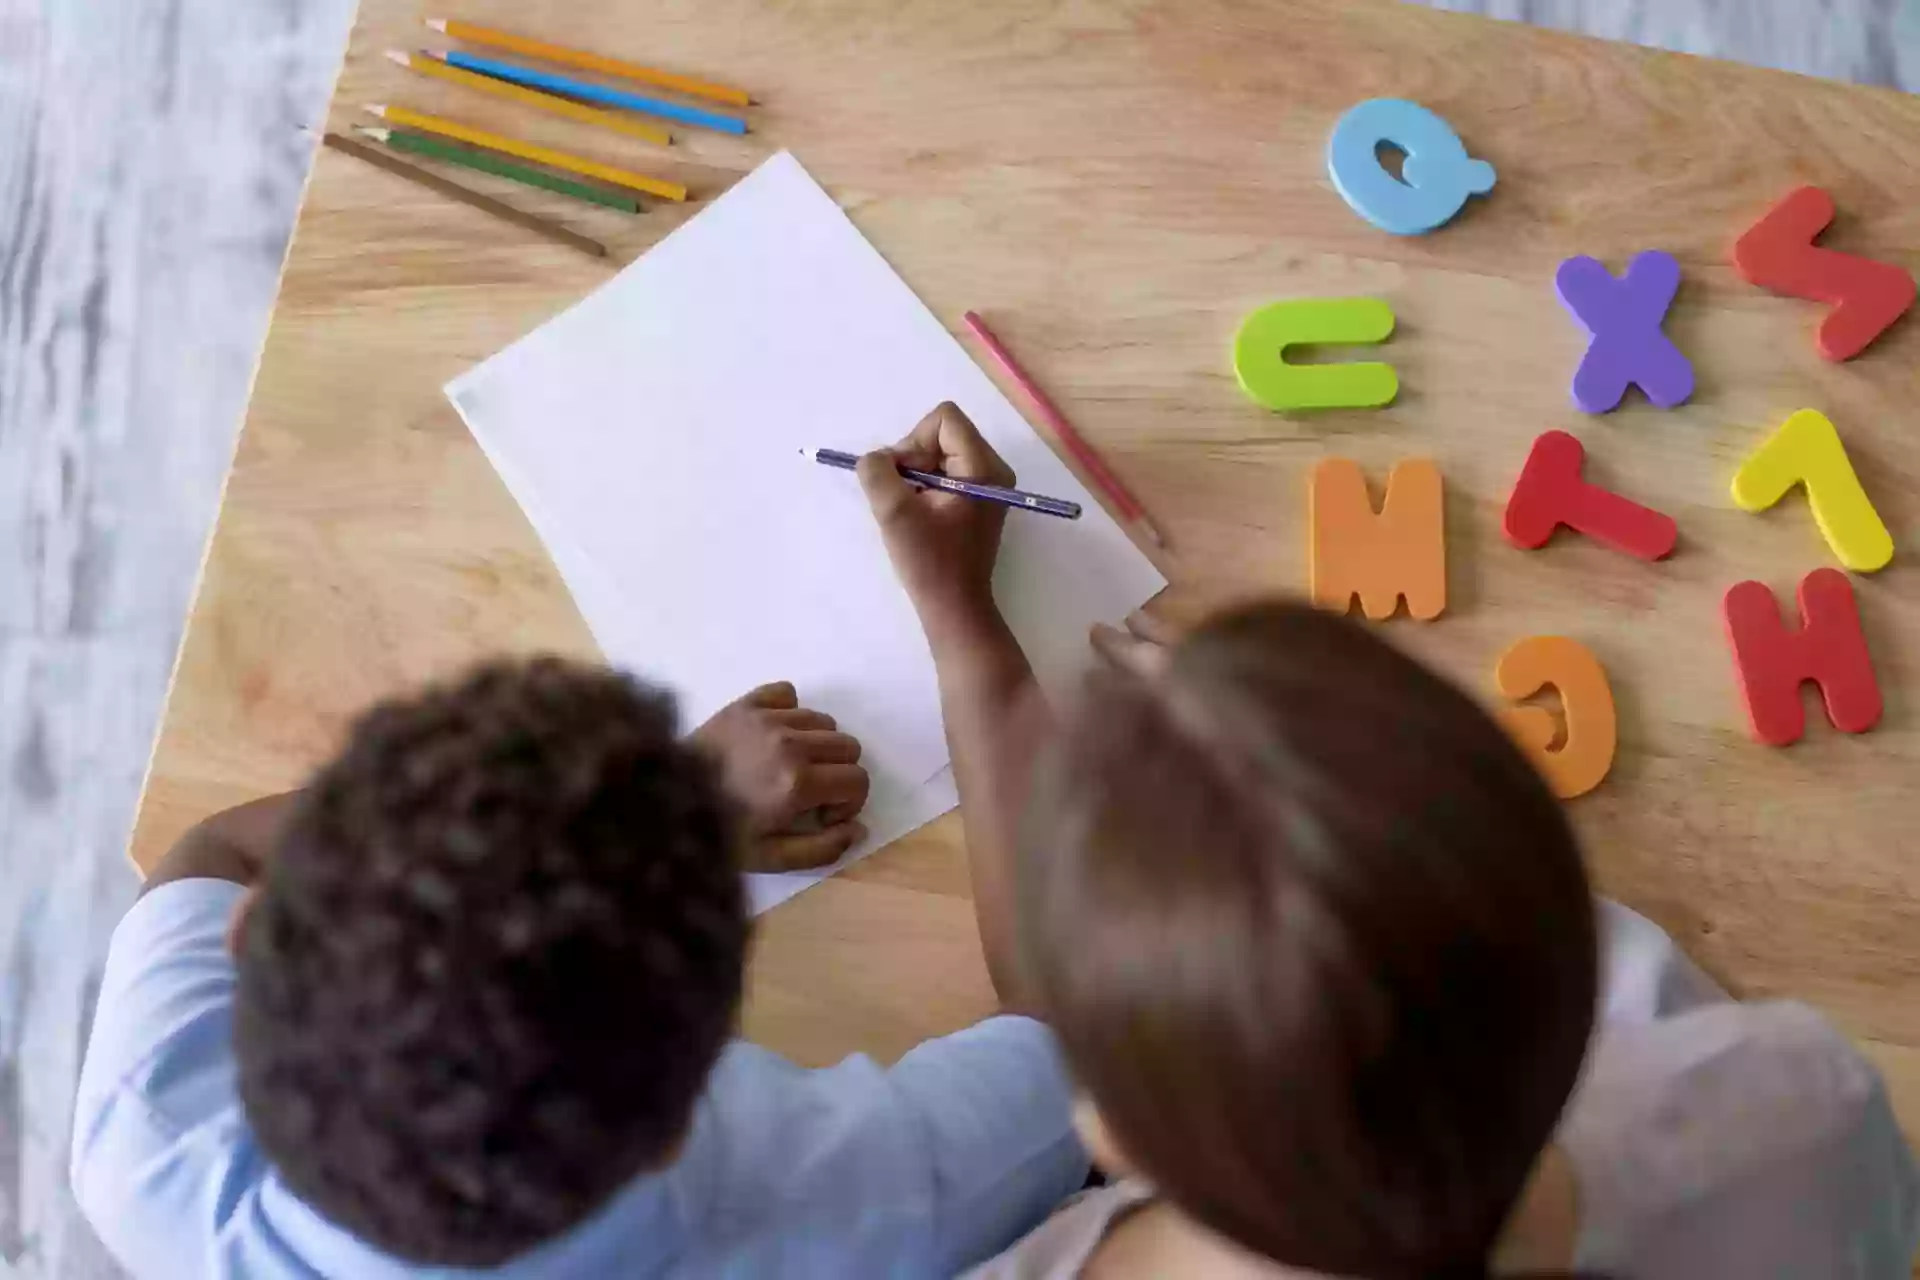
pixel 1148 627
pixel 822 786
pixel 777 696
pixel 806 852
pixel 967 453
pixel 1128 651
pixel 824 746
pixel 803 719
pixel 835 814
pixel 887 490
pixel 924 440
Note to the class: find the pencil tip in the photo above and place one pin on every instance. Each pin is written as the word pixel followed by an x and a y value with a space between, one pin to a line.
pixel 375 108
pixel 436 24
pixel 400 57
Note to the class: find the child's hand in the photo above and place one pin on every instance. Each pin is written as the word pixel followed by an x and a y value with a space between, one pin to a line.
pixel 1144 648
pixel 797 776
pixel 943 546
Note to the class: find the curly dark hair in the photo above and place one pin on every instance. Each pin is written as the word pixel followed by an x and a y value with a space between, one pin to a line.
pixel 495 957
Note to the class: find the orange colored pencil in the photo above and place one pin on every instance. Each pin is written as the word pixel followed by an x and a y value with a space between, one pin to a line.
pixel 589 61
pixel 528 151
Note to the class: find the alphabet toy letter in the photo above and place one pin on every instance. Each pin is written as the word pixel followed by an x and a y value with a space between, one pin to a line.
pixel 1807 450
pixel 1401 551
pixel 1579 764
pixel 1551 493
pixel 1260 351
pixel 1438 174
pixel 1829 649
pixel 1866 296
pixel 1624 317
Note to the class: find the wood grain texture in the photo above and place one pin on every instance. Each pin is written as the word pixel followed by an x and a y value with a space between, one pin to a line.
pixel 1115 184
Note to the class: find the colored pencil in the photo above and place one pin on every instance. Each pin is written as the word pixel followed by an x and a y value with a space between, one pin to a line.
pixel 425 144
pixel 589 92
pixel 528 151
pixel 589 61
pixel 454 191
pixel 1018 499
pixel 434 64
pixel 1117 493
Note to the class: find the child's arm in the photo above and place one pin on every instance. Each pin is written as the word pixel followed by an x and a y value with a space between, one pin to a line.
pixel 944 548
pixel 231 845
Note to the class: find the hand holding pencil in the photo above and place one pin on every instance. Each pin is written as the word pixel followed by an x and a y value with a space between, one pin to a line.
pixel 942 545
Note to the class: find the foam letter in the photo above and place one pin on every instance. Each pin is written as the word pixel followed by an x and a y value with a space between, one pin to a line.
pixel 1623 317
pixel 1551 493
pixel 1579 764
pixel 1828 649
pixel 1401 551
pixel 1866 296
pixel 1260 350
pixel 1438 175
pixel 1807 450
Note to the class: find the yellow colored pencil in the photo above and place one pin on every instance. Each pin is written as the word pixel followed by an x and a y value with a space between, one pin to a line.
pixel 590 61
pixel 429 64
pixel 528 151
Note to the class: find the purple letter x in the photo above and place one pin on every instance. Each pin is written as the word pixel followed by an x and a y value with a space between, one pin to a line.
pixel 1624 316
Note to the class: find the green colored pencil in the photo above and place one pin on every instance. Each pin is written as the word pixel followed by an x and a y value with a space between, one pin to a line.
pixel 421 144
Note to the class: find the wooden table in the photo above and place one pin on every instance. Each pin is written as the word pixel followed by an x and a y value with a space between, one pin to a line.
pixel 1117 183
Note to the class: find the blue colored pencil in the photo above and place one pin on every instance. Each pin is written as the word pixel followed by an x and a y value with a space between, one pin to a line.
pixel 514 73
pixel 1018 499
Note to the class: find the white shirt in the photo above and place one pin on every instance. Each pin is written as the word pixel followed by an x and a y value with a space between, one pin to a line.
pixel 917 1170
pixel 1709 1141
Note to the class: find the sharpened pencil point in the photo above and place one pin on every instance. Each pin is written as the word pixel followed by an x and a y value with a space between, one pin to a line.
pixel 400 57
pixel 437 24
pixel 375 108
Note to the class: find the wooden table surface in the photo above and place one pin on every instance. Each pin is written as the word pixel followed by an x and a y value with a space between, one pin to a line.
pixel 1116 184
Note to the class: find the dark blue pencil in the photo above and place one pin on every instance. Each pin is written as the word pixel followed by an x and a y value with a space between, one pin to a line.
pixel 514 73
pixel 1018 499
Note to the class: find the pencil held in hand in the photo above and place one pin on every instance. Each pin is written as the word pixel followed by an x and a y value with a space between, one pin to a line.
pixel 1018 499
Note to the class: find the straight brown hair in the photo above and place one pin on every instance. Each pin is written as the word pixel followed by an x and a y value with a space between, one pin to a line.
pixel 1317 940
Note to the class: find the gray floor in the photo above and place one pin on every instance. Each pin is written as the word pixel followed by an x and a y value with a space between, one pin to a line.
pixel 151 159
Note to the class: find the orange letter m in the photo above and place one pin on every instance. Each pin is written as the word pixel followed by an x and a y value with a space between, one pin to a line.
pixel 1400 551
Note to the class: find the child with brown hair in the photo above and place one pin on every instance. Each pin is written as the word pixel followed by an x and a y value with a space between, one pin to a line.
pixel 1322 954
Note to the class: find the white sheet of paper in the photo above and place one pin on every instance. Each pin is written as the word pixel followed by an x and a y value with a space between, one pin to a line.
pixel 652 433
pixel 895 807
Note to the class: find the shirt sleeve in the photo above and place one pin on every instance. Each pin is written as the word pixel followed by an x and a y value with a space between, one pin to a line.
pixel 161 1158
pixel 1739 1140
pixel 925 1169
pixel 1644 976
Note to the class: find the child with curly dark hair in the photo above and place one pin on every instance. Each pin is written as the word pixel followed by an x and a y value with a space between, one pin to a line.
pixel 467 1000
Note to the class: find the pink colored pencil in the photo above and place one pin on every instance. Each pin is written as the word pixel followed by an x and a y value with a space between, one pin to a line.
pixel 1123 501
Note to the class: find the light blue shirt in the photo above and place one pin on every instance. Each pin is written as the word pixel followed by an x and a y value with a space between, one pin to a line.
pixel 921 1170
